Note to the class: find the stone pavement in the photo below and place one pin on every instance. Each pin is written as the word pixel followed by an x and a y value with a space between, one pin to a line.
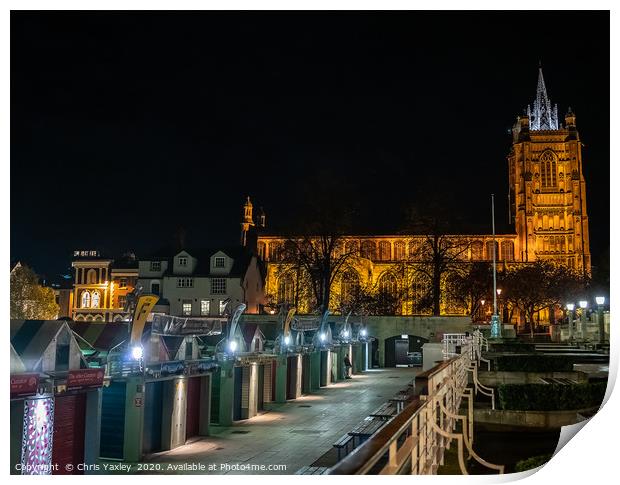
pixel 289 435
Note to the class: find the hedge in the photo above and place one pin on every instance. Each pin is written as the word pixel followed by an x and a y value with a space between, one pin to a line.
pixel 534 363
pixel 550 397
pixel 512 347
pixel 533 462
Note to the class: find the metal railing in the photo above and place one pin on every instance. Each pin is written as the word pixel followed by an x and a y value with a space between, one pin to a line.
pixel 415 440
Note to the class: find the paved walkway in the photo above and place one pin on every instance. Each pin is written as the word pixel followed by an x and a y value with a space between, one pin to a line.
pixel 291 435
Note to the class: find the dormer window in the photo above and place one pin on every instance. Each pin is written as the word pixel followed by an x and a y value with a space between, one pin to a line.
pixel 183 261
pixel 155 265
pixel 220 262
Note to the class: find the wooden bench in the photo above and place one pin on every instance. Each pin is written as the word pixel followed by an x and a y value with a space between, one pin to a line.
pixel 385 411
pixel 400 400
pixel 343 443
pixel 312 470
pixel 366 428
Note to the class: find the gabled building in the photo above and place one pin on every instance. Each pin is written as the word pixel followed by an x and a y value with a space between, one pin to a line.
pixel 200 282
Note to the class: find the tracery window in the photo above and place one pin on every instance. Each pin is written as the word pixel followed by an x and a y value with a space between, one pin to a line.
pixel 95 299
pixel 369 250
pixel 548 170
pixel 508 251
pixel 388 284
pixel 286 289
pixel 385 251
pixel 399 250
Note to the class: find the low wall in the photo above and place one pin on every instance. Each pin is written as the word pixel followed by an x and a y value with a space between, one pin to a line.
pixel 529 419
pixel 495 378
pixel 383 327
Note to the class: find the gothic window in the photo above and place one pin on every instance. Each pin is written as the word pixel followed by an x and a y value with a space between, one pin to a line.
pixel 385 250
pixel 476 250
pixel 85 299
pixel 399 250
pixel 415 248
pixel 95 299
pixel 275 251
pixel 388 284
pixel 91 277
pixel 548 170
pixel 349 286
pixel 489 248
pixel 369 250
pixel 286 289
pixel 353 248
pixel 508 251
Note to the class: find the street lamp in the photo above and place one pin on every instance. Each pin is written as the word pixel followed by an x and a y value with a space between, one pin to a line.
pixel 571 308
pixel 583 304
pixel 600 301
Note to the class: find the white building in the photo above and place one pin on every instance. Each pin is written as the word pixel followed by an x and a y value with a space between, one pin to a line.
pixel 199 282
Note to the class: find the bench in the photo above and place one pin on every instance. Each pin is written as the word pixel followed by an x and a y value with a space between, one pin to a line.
pixel 385 411
pixel 312 470
pixel 343 443
pixel 366 428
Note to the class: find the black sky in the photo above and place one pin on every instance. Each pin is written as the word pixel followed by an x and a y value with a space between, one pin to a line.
pixel 126 126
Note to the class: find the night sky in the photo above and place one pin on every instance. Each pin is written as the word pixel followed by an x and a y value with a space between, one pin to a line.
pixel 127 126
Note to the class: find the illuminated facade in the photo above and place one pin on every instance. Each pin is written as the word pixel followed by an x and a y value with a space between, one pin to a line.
pixel 101 286
pixel 547 204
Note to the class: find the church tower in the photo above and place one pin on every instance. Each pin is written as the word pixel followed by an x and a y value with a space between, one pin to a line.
pixel 247 221
pixel 547 190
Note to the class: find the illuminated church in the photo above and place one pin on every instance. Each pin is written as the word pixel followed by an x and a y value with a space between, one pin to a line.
pixel 547 205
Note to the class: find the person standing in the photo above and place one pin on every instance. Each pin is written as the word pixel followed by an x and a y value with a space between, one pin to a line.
pixel 347 367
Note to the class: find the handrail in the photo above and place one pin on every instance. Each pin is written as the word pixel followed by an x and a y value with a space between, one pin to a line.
pixel 428 426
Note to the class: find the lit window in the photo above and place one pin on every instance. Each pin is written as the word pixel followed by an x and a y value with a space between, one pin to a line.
pixel 95 299
pixel 182 261
pixel 122 283
pixel 155 265
pixel 122 300
pixel 223 304
pixel 187 308
pixel 205 307
pixel 218 286
pixel 548 170
pixel 220 262
pixel 85 299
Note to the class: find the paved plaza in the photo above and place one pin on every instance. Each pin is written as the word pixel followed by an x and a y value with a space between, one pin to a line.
pixel 293 434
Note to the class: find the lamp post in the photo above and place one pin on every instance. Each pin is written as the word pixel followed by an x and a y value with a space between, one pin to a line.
pixel 583 304
pixel 483 315
pixel 496 324
pixel 600 301
pixel 571 308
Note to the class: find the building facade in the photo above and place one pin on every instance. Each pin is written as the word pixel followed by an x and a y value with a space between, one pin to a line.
pixel 101 286
pixel 200 282
pixel 547 204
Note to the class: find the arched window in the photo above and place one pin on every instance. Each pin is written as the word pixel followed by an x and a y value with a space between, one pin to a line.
pixel 369 250
pixel 399 250
pixel 95 299
pixel 388 284
pixel 490 250
pixel 415 249
pixel 85 299
pixel 353 248
pixel 385 251
pixel 349 286
pixel 91 277
pixel 286 289
pixel 476 250
pixel 508 251
pixel 275 252
pixel 548 170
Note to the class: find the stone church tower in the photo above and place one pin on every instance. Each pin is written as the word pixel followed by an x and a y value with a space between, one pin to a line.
pixel 547 196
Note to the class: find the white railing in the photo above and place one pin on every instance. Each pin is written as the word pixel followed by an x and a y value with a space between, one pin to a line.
pixel 428 426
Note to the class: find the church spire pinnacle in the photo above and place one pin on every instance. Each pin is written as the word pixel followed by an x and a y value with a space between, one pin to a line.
pixel 542 116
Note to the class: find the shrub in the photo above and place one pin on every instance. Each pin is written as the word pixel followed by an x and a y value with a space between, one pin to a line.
pixel 550 397
pixel 532 462
pixel 534 363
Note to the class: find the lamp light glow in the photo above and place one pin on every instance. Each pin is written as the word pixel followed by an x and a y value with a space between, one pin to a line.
pixel 570 307
pixel 137 352
pixel 583 304
pixel 232 345
pixel 345 333
pixel 499 291
pixel 482 302
pixel 363 332
pixel 287 340
pixel 322 337
pixel 600 300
